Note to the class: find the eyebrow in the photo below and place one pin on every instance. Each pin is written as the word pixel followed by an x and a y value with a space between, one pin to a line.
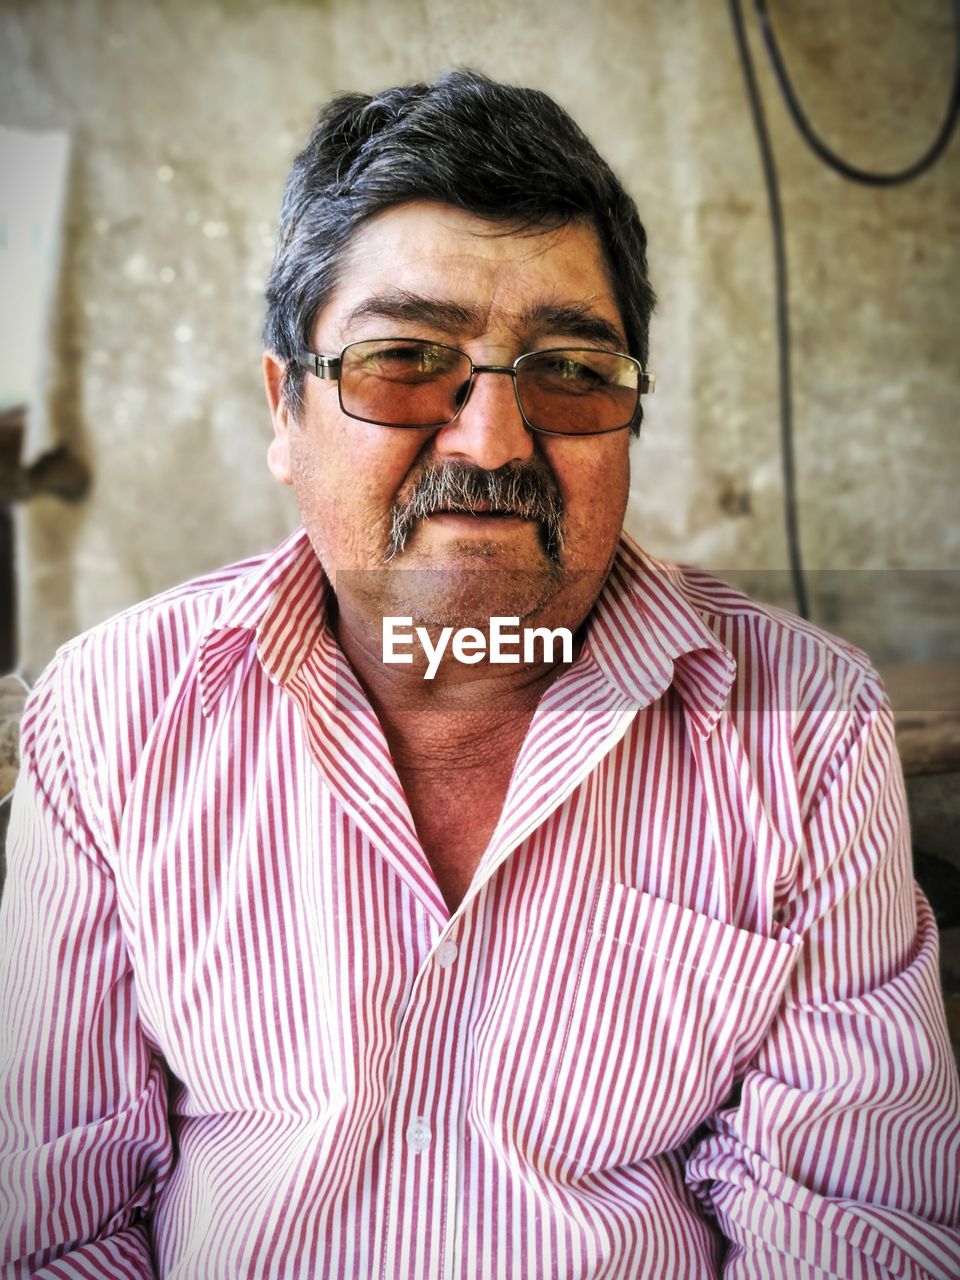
pixel 575 322
pixel 401 304
pixel 572 321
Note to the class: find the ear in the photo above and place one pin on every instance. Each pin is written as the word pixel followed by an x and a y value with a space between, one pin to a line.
pixel 278 454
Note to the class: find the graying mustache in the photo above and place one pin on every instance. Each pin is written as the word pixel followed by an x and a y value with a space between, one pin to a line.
pixel 515 491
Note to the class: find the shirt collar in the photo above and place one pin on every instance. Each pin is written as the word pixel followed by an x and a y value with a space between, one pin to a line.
pixel 644 632
pixel 281 603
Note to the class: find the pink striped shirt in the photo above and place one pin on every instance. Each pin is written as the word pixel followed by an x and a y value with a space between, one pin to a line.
pixel 686 1021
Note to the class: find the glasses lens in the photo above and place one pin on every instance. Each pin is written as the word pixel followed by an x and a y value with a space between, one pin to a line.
pixel 403 382
pixel 578 391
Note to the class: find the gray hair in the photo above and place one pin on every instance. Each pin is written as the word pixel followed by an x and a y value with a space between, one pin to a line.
pixel 497 151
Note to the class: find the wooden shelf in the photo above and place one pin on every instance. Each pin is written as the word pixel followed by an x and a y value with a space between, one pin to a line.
pixel 926 706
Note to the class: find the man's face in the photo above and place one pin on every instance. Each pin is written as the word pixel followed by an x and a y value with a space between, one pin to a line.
pixel 426 270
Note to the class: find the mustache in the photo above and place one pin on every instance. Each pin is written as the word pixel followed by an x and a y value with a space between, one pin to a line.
pixel 521 489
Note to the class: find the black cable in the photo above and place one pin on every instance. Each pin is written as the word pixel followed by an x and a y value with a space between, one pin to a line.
pixel 782 313
pixel 820 148
pixel 781 281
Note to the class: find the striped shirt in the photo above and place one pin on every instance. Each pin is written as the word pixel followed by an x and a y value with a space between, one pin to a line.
pixel 686 1021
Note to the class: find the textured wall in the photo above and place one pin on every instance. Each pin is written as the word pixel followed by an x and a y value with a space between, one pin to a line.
pixel 185 116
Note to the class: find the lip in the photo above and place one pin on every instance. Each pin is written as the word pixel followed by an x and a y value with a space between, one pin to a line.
pixel 469 524
pixel 480 515
pixel 477 509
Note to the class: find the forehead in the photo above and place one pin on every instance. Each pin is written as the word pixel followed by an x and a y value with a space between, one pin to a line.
pixel 493 275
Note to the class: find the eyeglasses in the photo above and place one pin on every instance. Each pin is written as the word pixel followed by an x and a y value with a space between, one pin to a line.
pixel 411 382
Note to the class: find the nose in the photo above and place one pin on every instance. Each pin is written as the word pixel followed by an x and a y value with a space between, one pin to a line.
pixel 489 430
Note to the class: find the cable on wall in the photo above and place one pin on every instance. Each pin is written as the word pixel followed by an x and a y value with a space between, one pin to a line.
pixel 781 282
pixel 782 303
pixel 830 157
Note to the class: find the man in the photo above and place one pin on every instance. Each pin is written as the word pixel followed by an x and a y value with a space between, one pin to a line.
pixel 606 966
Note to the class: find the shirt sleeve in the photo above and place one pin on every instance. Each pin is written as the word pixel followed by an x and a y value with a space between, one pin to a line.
pixel 84 1139
pixel 842 1157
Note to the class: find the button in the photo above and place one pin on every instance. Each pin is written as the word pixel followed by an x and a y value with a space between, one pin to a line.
pixel 446 953
pixel 418 1134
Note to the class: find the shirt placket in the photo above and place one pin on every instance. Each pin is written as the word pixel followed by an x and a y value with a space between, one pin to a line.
pixel 418 1163
pixel 422 1136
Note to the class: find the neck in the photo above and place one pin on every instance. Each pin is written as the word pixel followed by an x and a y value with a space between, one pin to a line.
pixel 477 706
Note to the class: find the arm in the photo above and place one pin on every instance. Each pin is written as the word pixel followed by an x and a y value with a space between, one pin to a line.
pixel 842 1158
pixel 84 1140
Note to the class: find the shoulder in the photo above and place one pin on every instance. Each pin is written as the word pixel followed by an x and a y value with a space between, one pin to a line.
pixel 795 684
pixel 823 691
pixel 94 706
pixel 172 619
pixel 754 630
pixel 129 663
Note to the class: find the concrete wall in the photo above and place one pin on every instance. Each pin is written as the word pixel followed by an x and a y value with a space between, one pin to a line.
pixel 185 116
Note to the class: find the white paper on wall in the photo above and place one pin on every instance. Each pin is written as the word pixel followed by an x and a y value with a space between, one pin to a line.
pixel 33 186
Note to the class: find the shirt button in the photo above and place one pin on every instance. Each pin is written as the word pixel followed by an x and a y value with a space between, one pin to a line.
pixel 418 1134
pixel 446 953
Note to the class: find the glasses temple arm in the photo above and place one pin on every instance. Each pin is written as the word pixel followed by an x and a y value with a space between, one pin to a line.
pixel 320 366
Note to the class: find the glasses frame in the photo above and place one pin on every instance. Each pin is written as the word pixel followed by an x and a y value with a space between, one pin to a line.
pixel 328 368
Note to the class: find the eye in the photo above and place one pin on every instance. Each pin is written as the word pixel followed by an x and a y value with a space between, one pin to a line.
pixel 568 371
pixel 407 361
pixel 577 371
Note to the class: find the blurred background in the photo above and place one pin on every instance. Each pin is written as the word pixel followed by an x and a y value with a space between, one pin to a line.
pixel 152 209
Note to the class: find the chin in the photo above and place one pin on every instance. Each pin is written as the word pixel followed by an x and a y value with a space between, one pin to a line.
pixel 467 595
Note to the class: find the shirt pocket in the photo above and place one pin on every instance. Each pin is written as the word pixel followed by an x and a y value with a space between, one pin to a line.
pixel 661 1015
